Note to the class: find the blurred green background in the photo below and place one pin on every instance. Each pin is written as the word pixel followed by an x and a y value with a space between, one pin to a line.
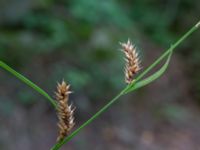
pixel 78 40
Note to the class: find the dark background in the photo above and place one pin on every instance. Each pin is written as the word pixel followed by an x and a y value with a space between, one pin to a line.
pixel 78 40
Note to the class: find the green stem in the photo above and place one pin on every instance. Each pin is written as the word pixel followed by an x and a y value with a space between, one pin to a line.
pixel 28 82
pixel 172 47
pixel 59 144
pixel 194 28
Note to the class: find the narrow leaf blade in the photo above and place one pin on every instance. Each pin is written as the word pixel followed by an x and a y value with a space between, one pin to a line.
pixel 151 78
pixel 27 82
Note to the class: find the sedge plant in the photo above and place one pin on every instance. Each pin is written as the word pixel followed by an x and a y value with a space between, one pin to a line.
pixel 65 111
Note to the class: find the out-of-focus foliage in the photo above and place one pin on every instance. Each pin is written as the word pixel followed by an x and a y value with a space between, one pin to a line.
pixel 84 31
pixel 87 28
pixel 96 12
pixel 77 40
pixel 85 34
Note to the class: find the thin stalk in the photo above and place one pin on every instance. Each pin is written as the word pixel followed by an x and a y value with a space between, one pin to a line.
pixel 28 82
pixel 59 144
pixel 172 47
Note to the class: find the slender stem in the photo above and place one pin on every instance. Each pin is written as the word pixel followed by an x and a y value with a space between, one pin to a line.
pixel 28 82
pixel 59 144
pixel 172 47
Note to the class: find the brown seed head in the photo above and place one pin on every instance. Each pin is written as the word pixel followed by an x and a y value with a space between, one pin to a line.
pixel 132 61
pixel 65 112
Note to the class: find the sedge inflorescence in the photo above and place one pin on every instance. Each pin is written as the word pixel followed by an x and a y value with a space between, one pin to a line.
pixel 132 61
pixel 65 112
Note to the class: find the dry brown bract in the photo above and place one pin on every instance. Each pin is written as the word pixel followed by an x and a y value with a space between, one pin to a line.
pixel 65 111
pixel 132 61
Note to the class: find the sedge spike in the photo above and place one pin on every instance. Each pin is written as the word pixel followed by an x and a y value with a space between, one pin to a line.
pixel 132 61
pixel 65 112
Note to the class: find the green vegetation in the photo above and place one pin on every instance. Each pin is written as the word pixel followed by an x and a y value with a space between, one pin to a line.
pixel 51 40
pixel 136 84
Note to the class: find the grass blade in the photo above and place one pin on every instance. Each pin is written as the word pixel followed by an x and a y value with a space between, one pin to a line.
pixel 151 78
pixel 27 81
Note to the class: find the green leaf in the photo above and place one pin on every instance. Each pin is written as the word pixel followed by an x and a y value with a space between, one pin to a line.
pixel 27 82
pixel 151 78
